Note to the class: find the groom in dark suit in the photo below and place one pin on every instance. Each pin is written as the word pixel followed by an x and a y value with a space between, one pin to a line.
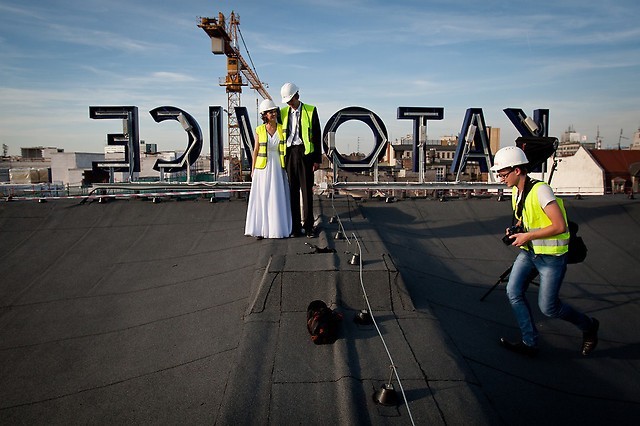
pixel 304 154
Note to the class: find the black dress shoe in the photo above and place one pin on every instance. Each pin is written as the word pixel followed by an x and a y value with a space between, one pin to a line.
pixel 590 337
pixel 519 348
pixel 259 237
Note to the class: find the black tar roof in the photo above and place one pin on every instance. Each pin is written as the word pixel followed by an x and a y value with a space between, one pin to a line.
pixel 137 312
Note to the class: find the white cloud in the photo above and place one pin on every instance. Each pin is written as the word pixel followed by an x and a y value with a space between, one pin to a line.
pixel 100 39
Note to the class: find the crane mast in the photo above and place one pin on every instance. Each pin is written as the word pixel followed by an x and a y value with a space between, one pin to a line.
pixel 224 40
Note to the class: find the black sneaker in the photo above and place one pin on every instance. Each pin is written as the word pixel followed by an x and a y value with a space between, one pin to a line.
pixel 590 337
pixel 519 348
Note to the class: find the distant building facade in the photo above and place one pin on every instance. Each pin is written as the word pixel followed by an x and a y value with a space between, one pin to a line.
pixel 438 157
pixel 69 168
pixel 39 153
pixel 596 172
pixel 636 140
pixel 32 167
pixel 75 169
pixel 571 141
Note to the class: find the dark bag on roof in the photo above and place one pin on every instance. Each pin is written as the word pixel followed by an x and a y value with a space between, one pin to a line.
pixel 322 322
pixel 577 248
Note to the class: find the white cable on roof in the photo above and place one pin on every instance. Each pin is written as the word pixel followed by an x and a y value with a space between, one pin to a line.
pixel 375 323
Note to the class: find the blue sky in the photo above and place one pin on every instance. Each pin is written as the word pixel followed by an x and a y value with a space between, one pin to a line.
pixel 579 59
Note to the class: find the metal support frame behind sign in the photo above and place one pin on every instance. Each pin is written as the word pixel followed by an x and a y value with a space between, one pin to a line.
pixel 538 127
pixel 247 138
pixel 420 117
pixel 473 144
pixel 216 146
pixel 130 138
pixel 194 143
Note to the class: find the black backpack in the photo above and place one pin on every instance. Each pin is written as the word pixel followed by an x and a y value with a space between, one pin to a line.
pixel 323 323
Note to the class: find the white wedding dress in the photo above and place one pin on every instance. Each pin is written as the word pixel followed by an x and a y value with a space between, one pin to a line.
pixel 269 211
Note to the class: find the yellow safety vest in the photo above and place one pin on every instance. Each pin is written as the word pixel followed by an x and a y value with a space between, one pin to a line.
pixel 263 139
pixel 533 217
pixel 306 114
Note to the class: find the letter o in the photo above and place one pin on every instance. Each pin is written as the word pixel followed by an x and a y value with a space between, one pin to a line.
pixel 367 117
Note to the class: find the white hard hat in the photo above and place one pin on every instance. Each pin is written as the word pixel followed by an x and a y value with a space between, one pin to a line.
pixel 267 105
pixel 509 156
pixel 288 91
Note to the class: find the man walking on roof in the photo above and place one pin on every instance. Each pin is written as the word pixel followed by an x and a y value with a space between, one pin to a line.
pixel 303 157
pixel 544 244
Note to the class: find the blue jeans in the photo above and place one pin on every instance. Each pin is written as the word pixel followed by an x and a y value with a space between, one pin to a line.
pixel 551 270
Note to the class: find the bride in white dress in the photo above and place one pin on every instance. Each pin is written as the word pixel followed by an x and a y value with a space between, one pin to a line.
pixel 269 211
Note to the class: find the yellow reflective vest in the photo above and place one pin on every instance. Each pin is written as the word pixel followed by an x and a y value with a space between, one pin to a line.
pixel 263 140
pixel 306 115
pixel 534 217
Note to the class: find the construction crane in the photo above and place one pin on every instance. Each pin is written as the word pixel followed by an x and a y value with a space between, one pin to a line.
pixel 224 40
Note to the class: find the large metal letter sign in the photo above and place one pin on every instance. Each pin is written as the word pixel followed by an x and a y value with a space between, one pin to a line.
pixel 473 141
pixel 527 127
pixel 216 147
pixel 419 115
pixel 473 133
pixel 248 140
pixel 370 119
pixel 194 145
pixel 129 138
pixel 538 126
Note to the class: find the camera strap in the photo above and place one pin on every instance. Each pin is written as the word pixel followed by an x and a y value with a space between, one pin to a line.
pixel 528 184
pixel 517 214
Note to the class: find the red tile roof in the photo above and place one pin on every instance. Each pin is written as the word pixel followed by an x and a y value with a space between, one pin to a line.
pixel 615 161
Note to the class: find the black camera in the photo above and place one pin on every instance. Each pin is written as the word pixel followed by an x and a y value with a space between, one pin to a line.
pixel 515 229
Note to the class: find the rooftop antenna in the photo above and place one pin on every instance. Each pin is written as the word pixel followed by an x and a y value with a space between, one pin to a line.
pixel 620 139
pixel 598 139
